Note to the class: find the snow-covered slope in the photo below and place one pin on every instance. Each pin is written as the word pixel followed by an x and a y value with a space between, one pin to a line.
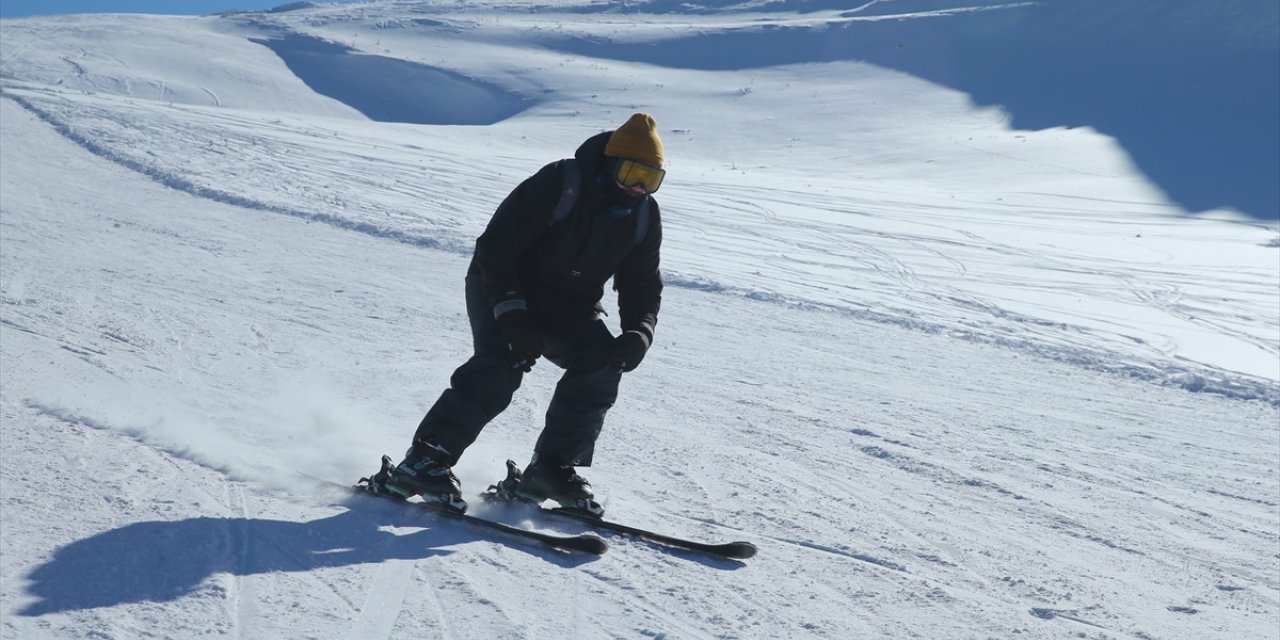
pixel 958 379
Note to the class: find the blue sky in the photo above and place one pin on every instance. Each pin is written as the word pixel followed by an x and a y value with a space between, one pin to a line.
pixel 19 8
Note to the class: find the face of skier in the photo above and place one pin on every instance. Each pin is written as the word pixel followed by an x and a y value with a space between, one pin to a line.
pixel 634 191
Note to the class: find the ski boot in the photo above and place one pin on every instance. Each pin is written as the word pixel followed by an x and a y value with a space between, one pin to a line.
pixel 551 480
pixel 505 490
pixel 426 471
pixel 508 491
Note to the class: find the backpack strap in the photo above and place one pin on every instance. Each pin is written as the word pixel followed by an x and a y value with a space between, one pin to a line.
pixel 642 221
pixel 568 191
pixel 569 197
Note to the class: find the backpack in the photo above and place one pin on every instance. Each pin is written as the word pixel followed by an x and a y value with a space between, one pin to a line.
pixel 569 197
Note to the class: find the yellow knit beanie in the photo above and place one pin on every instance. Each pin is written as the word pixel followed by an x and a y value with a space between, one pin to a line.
pixel 637 140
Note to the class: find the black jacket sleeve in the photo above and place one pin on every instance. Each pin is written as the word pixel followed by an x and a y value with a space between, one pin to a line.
pixel 639 281
pixel 519 221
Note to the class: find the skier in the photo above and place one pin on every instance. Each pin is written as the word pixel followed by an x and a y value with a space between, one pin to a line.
pixel 533 289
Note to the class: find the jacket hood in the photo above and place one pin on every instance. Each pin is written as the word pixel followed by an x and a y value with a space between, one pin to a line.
pixel 590 153
pixel 591 158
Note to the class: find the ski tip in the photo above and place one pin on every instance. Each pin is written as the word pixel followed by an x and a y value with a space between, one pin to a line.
pixel 739 550
pixel 586 544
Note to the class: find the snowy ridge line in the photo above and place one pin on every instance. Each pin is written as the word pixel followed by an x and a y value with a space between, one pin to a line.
pixel 1202 380
pixel 187 186
pixel 1198 380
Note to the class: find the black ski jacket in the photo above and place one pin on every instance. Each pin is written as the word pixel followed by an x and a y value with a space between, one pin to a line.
pixel 558 271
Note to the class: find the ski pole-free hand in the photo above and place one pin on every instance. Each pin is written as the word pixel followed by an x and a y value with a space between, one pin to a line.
pixel 524 345
pixel 628 350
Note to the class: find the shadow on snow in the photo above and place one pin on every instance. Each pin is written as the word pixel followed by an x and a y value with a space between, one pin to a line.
pixel 165 561
pixel 393 90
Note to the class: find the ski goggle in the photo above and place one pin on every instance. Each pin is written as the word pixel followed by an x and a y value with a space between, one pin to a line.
pixel 630 173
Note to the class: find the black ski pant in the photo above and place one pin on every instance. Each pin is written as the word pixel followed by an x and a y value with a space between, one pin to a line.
pixel 482 387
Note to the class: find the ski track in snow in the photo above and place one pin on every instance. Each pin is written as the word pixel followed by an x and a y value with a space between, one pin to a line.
pixel 842 376
pixel 266 149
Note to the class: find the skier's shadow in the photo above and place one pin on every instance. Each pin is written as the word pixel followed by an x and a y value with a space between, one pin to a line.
pixel 166 560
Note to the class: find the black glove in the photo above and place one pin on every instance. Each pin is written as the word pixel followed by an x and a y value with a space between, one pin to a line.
pixel 524 345
pixel 627 350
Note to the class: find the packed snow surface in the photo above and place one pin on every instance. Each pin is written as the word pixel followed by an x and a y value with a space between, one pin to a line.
pixel 972 319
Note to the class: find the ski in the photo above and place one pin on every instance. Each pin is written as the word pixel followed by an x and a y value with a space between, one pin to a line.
pixel 580 543
pixel 505 492
pixel 733 550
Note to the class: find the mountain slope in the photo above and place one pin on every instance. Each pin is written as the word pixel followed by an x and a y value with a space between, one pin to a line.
pixel 935 415
pixel 919 209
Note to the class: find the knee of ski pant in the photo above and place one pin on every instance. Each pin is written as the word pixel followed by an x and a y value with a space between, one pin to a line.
pixel 596 389
pixel 488 381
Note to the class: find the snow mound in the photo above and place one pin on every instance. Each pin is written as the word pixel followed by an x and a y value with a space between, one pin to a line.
pixel 388 89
